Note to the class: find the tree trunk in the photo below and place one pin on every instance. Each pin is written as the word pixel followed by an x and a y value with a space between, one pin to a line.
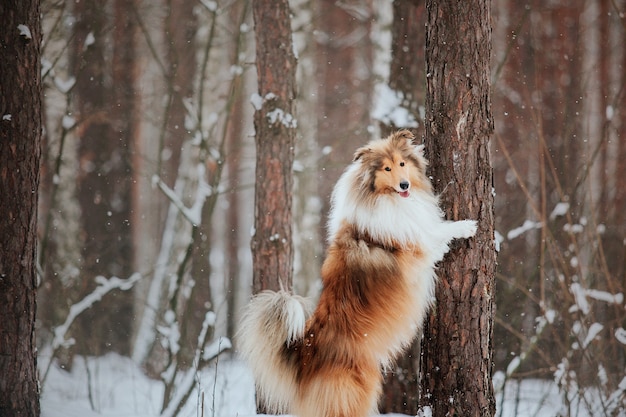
pixel 233 167
pixel 274 123
pixel 407 77
pixel 457 347
pixel 105 174
pixel 180 34
pixel 20 152
pixel 344 49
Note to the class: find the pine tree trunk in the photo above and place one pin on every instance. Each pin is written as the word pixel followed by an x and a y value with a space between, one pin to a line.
pixel 457 347
pixel 274 123
pixel 20 152
pixel 105 174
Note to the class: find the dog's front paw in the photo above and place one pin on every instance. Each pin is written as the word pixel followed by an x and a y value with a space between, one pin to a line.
pixel 466 228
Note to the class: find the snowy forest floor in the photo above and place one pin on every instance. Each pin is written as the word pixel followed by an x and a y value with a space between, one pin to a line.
pixel 113 386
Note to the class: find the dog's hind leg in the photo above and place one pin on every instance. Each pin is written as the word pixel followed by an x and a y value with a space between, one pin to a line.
pixel 341 393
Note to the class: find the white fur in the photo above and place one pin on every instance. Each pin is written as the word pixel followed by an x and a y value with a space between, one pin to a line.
pixel 415 220
pixel 270 320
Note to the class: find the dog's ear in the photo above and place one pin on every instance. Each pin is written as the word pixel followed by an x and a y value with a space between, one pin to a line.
pixel 405 134
pixel 402 138
pixel 418 151
pixel 361 152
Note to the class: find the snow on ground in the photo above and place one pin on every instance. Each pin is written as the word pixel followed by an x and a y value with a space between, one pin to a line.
pixel 113 386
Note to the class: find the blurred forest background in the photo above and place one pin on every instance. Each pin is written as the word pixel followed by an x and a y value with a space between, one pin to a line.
pixel 147 189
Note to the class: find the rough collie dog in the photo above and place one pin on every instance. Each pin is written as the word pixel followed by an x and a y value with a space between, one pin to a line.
pixel 386 232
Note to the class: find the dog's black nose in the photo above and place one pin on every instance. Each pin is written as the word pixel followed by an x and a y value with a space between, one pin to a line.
pixel 404 185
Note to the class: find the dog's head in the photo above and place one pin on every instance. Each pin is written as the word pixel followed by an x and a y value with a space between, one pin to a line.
pixel 393 165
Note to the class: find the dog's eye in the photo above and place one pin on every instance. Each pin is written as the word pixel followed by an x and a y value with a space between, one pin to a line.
pixel 387 169
pixel 401 164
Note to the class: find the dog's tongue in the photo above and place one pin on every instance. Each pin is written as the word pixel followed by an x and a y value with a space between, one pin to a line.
pixel 404 194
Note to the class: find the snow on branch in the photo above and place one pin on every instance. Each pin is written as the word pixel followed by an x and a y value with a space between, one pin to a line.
pixel 193 214
pixel 518 231
pixel 581 294
pixel 185 386
pixel 616 400
pixel 104 287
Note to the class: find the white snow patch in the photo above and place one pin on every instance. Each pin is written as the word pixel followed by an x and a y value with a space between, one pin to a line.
pixel 573 228
pixel 425 411
pixel 64 86
pixel 592 333
pixel 118 387
pixel 498 239
pixel 68 122
pixel 89 40
pixel 605 296
pixel 388 108
pixel 620 335
pixel 24 31
pixel 6 117
pixel 581 294
pixel 518 231
pixel 580 297
pixel 257 101
pixel 559 210
pixel 210 5
pixel 280 116
pixel 602 376
pixel 513 365
pixel 298 166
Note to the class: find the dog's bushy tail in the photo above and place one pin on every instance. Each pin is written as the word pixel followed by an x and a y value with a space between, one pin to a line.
pixel 270 321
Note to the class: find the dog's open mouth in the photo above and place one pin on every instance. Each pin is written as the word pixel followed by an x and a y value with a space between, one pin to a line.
pixel 404 194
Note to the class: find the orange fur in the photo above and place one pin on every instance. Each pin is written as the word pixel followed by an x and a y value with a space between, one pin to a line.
pixel 366 303
pixel 386 232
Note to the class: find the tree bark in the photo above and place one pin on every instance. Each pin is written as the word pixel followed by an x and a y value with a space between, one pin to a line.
pixel 457 347
pixel 344 47
pixel 274 123
pixel 20 153
pixel 407 77
pixel 105 174
pixel 180 29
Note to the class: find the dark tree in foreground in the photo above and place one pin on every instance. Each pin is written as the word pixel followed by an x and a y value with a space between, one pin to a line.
pixel 274 124
pixel 20 152
pixel 457 347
